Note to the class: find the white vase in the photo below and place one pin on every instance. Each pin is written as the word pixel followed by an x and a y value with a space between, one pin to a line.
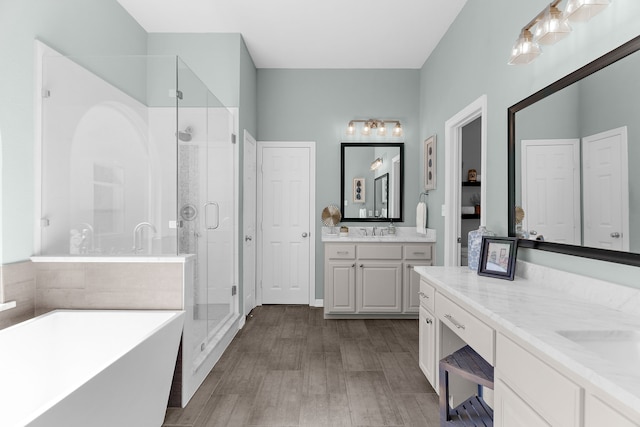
pixel 475 243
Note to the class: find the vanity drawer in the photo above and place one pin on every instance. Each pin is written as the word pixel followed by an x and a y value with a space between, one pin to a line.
pixel 551 394
pixel 340 251
pixel 418 251
pixel 385 251
pixel 468 327
pixel 427 296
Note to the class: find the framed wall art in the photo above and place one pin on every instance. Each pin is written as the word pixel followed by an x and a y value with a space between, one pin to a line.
pixel 358 190
pixel 430 163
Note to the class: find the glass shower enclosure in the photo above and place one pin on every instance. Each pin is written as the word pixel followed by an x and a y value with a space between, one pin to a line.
pixel 137 160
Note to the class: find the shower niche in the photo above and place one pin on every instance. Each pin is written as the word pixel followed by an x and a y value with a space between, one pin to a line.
pixel 132 154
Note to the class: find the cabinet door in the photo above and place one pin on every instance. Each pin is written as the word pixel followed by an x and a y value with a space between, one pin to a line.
pixel 340 289
pixel 512 411
pixel 427 346
pixel 597 413
pixel 379 287
pixel 411 286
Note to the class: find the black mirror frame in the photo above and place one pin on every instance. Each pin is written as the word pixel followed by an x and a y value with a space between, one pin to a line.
pixel 608 255
pixel 400 146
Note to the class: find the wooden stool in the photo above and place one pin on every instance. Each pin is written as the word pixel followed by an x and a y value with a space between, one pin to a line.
pixel 474 411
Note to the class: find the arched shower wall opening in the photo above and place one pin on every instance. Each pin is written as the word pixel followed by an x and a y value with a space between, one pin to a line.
pixel 136 158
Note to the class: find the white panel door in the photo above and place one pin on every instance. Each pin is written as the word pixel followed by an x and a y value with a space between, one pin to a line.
pixel 550 171
pixel 249 223
pixel 606 191
pixel 285 225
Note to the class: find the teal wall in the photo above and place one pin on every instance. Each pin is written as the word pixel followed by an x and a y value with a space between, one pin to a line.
pixel 215 58
pixel 73 27
pixel 316 105
pixel 471 60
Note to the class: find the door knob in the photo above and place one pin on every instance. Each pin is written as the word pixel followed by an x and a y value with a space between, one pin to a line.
pixel 247 238
pixel 615 235
pixel 305 234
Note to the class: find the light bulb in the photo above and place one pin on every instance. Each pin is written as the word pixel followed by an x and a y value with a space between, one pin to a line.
pixel 366 130
pixel 382 129
pixel 351 129
pixel 525 50
pixel 552 27
pixel 583 10
pixel 397 130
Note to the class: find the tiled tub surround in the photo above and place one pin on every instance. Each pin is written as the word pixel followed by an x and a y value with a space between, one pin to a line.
pixel 18 284
pixel 108 283
pixel 542 301
pixel 47 283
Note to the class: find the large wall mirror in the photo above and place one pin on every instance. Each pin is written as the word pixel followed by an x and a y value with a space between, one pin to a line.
pixel 371 181
pixel 574 151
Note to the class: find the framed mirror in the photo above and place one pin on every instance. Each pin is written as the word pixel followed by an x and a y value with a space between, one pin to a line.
pixel 371 181
pixel 574 147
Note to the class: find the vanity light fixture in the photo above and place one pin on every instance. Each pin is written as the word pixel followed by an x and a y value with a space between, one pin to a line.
pixel 376 163
pixel 583 10
pixel 379 125
pixel 550 26
pixel 525 50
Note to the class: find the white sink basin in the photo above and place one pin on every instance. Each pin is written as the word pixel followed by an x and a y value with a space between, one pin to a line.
pixel 618 347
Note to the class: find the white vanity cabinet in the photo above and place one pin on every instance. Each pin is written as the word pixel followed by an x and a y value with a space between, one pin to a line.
pixel 541 377
pixel 551 398
pixel 598 413
pixel 415 255
pixel 427 351
pixel 373 278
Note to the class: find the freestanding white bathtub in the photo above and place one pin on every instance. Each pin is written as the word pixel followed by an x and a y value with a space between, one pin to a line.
pixel 88 368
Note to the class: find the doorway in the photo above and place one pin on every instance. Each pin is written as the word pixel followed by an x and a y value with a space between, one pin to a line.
pixel 286 230
pixel 454 197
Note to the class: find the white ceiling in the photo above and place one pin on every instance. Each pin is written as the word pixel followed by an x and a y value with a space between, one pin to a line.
pixel 311 33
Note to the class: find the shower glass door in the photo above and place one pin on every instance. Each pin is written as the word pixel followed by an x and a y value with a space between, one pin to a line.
pixel 206 207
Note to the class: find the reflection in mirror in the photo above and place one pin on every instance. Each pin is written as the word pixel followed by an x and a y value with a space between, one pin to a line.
pixel 573 148
pixel 380 188
pixel 371 181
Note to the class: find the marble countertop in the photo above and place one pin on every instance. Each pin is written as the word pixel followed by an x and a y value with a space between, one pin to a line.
pixel 357 234
pixel 533 309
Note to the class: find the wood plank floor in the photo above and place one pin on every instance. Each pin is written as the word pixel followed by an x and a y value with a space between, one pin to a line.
pixel 290 367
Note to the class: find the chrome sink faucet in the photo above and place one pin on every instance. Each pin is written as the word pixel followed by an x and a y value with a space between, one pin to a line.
pixel 137 235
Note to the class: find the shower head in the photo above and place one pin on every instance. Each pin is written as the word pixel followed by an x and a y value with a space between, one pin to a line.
pixel 185 135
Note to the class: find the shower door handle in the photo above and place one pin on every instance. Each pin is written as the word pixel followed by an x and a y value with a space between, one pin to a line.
pixel 206 215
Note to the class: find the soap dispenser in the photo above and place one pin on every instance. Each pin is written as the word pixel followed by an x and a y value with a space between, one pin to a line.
pixel 391 229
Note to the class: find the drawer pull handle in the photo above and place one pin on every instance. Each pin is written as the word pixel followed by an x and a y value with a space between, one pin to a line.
pixel 343 252
pixel 354 264
pixel 419 253
pixel 423 295
pixel 454 321
pixel 429 321
pixel 409 266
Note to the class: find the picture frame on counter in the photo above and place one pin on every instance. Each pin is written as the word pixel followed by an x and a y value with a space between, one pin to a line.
pixel 498 257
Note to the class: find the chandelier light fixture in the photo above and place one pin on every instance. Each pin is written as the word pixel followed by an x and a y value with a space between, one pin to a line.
pixel 550 26
pixel 377 125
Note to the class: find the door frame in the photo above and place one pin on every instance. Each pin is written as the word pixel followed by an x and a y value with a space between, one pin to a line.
pixel 453 175
pixel 312 209
pixel 249 139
